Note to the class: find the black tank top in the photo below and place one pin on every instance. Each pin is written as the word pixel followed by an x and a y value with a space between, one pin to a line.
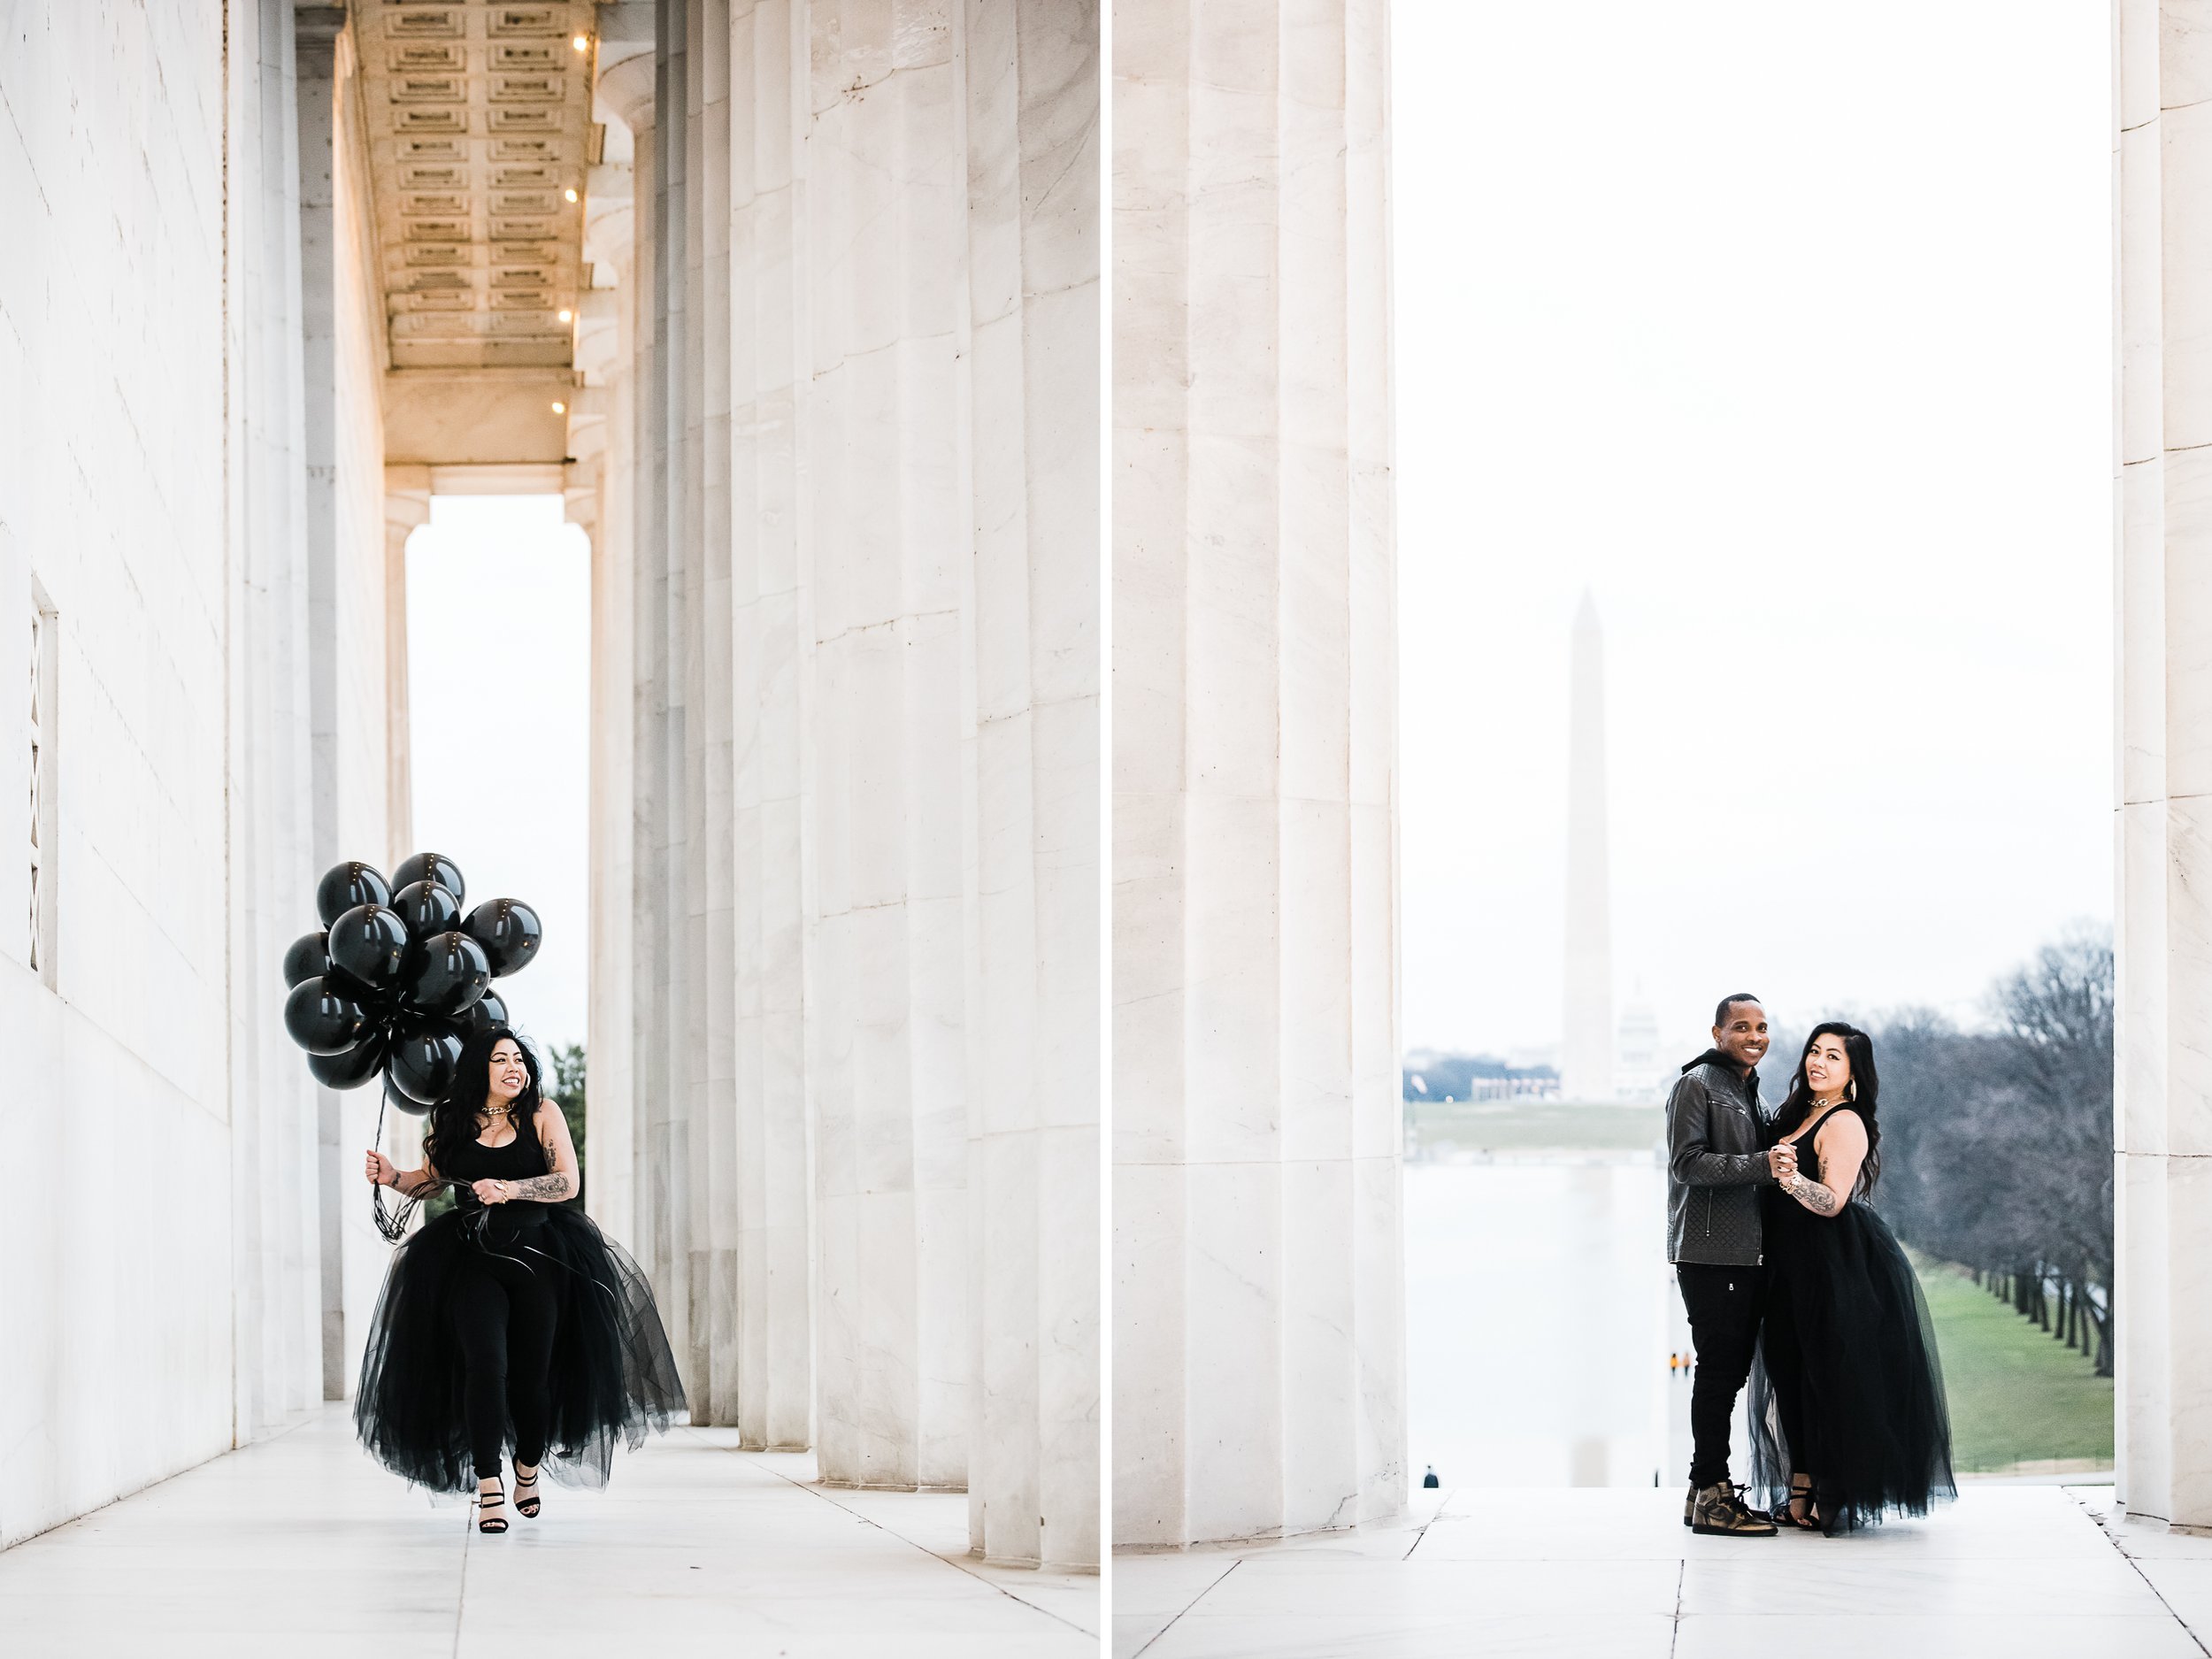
pixel 518 1160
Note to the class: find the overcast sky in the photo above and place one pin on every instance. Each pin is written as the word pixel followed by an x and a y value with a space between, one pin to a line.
pixel 498 683
pixel 1785 330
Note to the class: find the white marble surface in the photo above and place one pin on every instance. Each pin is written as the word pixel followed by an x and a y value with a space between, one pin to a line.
pixel 1029 80
pixel 2017 1570
pixel 2162 145
pixel 1259 1346
pixel 151 482
pixel 861 450
pixel 302 1544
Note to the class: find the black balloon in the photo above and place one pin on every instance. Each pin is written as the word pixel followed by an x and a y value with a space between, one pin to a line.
pixel 309 958
pixel 355 1066
pixel 432 867
pixel 487 1013
pixel 423 1059
pixel 347 884
pixel 369 943
pixel 428 908
pixel 391 1094
pixel 323 1021
pixel 447 972
pixel 509 931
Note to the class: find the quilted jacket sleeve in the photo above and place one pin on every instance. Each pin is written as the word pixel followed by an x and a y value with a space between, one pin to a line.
pixel 1691 1158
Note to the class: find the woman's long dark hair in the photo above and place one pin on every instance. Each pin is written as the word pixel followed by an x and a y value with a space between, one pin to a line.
pixel 1865 1090
pixel 453 1119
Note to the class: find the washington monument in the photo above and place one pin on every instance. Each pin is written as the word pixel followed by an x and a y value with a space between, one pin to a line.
pixel 1586 1039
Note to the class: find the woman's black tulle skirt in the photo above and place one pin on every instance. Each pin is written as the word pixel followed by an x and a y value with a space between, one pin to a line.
pixel 612 1376
pixel 1847 1386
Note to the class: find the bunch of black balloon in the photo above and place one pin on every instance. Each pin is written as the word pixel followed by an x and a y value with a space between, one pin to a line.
pixel 397 977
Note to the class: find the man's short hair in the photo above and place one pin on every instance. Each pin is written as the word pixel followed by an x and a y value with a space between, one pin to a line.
pixel 1720 1014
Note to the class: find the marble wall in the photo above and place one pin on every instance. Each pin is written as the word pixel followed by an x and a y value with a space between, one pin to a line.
pixel 862 1028
pixel 2164 760
pixel 1259 1345
pixel 152 487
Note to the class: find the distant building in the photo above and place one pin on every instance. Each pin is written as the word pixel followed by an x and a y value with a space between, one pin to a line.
pixel 1427 1074
pixel 1639 1073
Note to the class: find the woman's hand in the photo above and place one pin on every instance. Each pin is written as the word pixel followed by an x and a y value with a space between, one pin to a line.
pixel 492 1192
pixel 383 1171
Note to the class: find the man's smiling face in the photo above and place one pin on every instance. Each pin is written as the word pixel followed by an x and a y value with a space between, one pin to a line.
pixel 1742 1034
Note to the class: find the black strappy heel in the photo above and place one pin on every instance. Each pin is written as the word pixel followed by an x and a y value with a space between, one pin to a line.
pixel 490 1523
pixel 528 1505
pixel 1788 1515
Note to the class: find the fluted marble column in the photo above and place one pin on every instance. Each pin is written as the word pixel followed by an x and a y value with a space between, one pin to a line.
pixel 2163 1132
pixel 1259 1344
pixel 772 657
pixel 660 1045
pixel 1030 99
pixel 886 548
pixel 612 233
pixel 865 761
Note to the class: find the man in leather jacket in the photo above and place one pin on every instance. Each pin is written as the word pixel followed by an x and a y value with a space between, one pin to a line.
pixel 1716 1161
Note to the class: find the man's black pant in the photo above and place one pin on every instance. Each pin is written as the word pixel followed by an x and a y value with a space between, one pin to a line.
pixel 1724 1305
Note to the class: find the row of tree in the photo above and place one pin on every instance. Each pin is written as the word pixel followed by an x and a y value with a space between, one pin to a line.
pixel 1997 1143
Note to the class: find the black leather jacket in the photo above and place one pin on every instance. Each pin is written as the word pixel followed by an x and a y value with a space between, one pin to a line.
pixel 1716 1162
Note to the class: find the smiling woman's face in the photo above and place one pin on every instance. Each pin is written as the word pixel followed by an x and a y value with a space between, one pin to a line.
pixel 1827 1065
pixel 509 1076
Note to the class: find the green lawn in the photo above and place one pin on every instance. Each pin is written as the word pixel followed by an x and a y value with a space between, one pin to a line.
pixel 2017 1393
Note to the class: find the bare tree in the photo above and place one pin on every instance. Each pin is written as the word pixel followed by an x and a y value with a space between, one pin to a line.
pixel 1997 1145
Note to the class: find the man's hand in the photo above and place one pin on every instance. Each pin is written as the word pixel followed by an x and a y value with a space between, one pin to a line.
pixel 1782 1160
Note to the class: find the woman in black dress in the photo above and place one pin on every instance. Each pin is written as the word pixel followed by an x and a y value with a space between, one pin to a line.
pixel 1847 1412
pixel 510 1320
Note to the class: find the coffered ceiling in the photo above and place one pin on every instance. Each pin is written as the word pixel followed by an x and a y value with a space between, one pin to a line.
pixel 479 131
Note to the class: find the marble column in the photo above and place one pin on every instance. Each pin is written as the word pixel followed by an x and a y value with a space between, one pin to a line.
pixel 276 1304
pixel 713 1270
pixel 1259 1344
pixel 1028 74
pixel 612 238
pixel 2164 834
pixel 662 1044
pixel 864 756
pixel 885 559
pixel 317 30
pixel 770 658
pixel 404 510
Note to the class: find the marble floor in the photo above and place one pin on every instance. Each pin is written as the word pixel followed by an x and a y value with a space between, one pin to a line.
pixel 2024 1571
pixel 300 1545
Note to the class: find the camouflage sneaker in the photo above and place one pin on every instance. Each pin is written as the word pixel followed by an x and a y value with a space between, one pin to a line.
pixel 1719 1512
pixel 1689 1507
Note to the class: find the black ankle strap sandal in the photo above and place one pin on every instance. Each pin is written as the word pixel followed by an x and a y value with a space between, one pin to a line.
pixel 1786 1514
pixel 526 1495
pixel 491 1523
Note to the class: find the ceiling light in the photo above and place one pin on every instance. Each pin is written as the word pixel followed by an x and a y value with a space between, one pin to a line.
pixel 560 409
pixel 582 43
pixel 572 193
pixel 565 316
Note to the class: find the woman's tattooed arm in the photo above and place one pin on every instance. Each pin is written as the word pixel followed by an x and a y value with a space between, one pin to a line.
pixel 1814 1197
pixel 545 1189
